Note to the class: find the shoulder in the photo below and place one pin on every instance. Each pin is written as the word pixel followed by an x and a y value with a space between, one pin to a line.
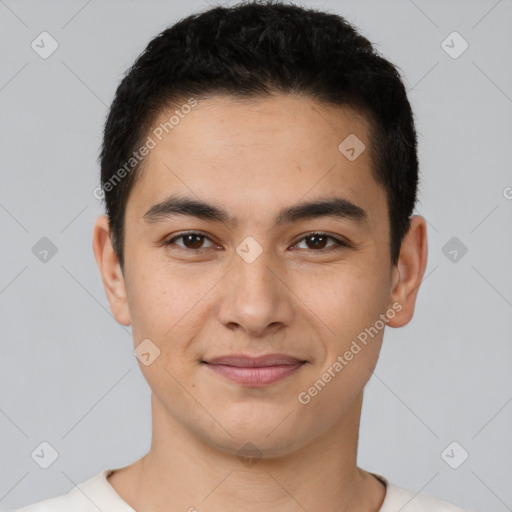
pixel 89 496
pixel 398 498
pixel 73 500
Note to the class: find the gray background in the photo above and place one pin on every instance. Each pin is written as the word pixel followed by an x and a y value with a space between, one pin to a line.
pixel 67 372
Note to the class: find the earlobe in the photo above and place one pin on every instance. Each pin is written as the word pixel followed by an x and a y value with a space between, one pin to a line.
pixel 110 270
pixel 409 271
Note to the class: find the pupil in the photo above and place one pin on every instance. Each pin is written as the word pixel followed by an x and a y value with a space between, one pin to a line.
pixel 319 243
pixel 198 237
pixel 321 237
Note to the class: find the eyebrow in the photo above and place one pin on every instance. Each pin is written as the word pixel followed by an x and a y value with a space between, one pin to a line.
pixel 336 207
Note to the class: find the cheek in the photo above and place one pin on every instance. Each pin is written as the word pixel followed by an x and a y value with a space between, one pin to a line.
pixel 156 304
pixel 353 303
pixel 168 307
pixel 160 294
pixel 354 296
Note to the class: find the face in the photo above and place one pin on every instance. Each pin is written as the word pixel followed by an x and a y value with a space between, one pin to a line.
pixel 252 274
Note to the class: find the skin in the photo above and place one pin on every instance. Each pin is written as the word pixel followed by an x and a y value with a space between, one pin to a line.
pixel 254 158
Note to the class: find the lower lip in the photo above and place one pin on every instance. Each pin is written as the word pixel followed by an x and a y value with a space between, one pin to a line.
pixel 255 376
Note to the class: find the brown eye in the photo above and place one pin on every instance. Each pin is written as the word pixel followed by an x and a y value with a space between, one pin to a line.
pixel 192 241
pixel 318 241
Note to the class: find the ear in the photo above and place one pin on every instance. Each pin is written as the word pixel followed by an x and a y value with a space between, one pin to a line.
pixel 408 273
pixel 110 270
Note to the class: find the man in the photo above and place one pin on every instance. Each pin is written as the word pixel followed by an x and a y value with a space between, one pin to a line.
pixel 259 171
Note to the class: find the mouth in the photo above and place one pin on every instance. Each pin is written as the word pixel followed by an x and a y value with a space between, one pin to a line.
pixel 254 371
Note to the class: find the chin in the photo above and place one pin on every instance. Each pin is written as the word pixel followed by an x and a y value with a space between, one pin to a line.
pixel 256 445
pixel 273 434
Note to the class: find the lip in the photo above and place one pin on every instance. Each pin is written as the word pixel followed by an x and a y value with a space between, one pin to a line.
pixel 254 371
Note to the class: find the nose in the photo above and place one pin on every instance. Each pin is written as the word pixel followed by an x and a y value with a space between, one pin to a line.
pixel 256 299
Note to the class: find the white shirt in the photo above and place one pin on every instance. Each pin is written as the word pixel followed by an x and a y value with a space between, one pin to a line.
pixel 97 494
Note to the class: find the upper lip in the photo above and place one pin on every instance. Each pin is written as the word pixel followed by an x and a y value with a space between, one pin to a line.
pixel 242 360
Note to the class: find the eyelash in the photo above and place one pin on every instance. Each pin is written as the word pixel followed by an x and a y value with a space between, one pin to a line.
pixel 340 244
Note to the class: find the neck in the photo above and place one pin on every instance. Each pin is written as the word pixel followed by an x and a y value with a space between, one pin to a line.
pixel 185 471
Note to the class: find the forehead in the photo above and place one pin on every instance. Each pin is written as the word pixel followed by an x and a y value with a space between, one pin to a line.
pixel 259 153
pixel 225 125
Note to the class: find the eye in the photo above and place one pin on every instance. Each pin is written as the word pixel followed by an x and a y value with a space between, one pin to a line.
pixel 193 241
pixel 319 240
